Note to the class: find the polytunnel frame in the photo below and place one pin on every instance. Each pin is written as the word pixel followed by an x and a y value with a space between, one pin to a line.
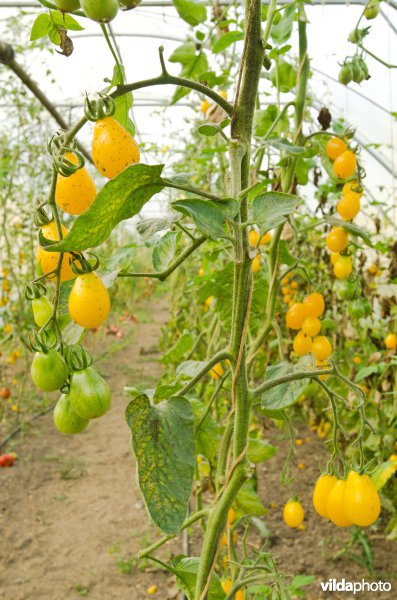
pixel 6 50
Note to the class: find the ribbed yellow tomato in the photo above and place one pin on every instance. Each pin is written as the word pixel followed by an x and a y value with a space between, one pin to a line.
pixel 343 267
pixel 295 316
pixel 345 164
pixel 348 207
pixel 361 501
pixel 76 193
pixel 256 264
pixel 334 505
pixel 311 326
pixel 334 147
pixel 314 304
pixel 89 302
pixel 322 348
pixel 337 239
pixel 293 513
pixel 49 260
pixel 322 490
pixel 113 148
pixel 302 344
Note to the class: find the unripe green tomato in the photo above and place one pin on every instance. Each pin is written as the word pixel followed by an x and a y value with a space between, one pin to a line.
pixel 345 74
pixel 354 36
pixel 356 72
pixel 363 67
pixel 67 5
pixel 42 310
pixel 89 394
pixel 347 290
pixel 371 12
pixel 356 309
pixel 101 11
pixel 49 371
pixel 129 4
pixel 65 419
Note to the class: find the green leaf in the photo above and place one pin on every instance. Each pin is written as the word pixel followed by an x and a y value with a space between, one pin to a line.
pixel 193 65
pixel 119 199
pixel 351 228
pixel 284 255
pixel 259 450
pixel 193 12
pixel 185 569
pixel 40 27
pixel 65 21
pixel 285 146
pixel 282 31
pixel 164 250
pixel 163 443
pixel 206 215
pixel 207 437
pixel 264 119
pixel 148 227
pixel 53 34
pixel 285 75
pixel 183 345
pixel 248 502
pixel 282 396
pixel 227 40
pixel 190 368
pixel 167 390
pixel 383 474
pixel 271 209
pixel 208 129
pixel 367 371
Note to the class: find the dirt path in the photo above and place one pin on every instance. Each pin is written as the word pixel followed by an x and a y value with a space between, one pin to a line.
pixel 71 516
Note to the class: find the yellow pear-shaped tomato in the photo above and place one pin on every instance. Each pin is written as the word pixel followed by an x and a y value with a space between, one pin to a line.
pixel 293 513
pixel 322 490
pixel 113 148
pixel 49 260
pixel 76 193
pixel 89 302
pixel 361 501
pixel 335 507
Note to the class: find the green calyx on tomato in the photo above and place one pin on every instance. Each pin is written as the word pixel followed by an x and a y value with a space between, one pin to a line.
pixel 65 418
pixel 49 371
pixel 89 394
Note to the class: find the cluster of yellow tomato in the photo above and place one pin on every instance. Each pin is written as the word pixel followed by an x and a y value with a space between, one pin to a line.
pixel 256 240
pixel 351 501
pixel 304 318
pixel 288 289
pixel 113 149
pixel 227 584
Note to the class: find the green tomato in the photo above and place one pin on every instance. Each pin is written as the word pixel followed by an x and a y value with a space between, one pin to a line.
pixel 345 74
pixel 348 290
pixel 42 310
pixel 102 12
pixel 65 419
pixel 89 394
pixel 129 4
pixel 372 11
pixel 356 72
pixel 49 371
pixel 67 5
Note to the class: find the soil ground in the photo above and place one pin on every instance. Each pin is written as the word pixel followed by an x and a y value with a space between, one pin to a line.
pixel 72 519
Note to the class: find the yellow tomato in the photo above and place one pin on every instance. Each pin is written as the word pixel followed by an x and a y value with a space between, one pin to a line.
pixel 322 348
pixel 205 106
pixel 49 260
pixel 253 237
pixel 295 316
pixel 314 304
pixel 343 267
pixel 265 239
pixel 208 301
pixel 357 360
pixel 240 595
pixel 334 506
pixel 321 492
pixel 373 268
pixel 223 93
pixel 352 188
pixel 334 147
pixel 152 590
pixel 337 239
pixel 348 207
pixel 293 513
pixel 74 194
pixel 201 272
pixel 89 301
pixel 345 165
pixel 361 501
pixel 302 344
pixel 334 257
pixel 227 586
pixel 8 328
pixel 231 515
pixel 113 148
pixel 217 371
pixel 294 285
pixel 311 326
pixel 391 341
